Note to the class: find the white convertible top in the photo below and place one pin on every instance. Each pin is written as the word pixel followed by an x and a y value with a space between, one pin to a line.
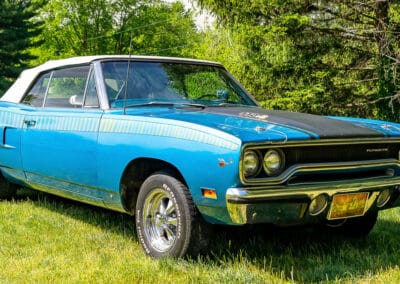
pixel 15 93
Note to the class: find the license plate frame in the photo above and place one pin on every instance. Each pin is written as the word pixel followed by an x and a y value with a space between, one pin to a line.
pixel 348 205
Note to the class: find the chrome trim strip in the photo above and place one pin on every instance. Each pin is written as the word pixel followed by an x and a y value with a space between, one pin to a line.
pixel 325 167
pixel 101 86
pixel 253 193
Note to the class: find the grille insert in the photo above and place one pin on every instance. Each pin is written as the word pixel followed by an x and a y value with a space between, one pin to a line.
pixel 332 162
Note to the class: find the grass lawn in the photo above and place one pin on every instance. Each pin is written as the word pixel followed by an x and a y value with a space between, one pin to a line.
pixel 48 239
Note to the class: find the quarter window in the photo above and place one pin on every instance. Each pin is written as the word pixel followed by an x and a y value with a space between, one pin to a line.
pixel 36 95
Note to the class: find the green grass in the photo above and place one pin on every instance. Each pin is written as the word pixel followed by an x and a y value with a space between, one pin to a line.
pixel 48 239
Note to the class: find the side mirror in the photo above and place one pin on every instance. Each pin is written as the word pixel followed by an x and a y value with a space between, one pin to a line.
pixel 223 95
pixel 76 100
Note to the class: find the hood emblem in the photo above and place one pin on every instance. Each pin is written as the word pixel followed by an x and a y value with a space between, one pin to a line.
pixel 254 115
pixel 260 129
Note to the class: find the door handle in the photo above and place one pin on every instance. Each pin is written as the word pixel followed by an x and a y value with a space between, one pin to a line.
pixel 30 123
pixel 3 130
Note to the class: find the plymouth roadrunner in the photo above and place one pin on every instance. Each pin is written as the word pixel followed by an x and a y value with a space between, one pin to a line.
pixel 179 144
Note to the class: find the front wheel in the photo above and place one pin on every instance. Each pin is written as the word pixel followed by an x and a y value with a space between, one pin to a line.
pixel 168 223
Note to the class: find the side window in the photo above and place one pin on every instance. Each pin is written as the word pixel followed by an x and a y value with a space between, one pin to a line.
pixel 35 96
pixel 67 87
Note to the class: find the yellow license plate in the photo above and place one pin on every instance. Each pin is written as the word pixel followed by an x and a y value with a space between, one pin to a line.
pixel 348 205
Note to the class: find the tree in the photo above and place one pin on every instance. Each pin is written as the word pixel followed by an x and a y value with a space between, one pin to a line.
pixel 329 57
pixel 74 28
pixel 157 29
pixel 92 27
pixel 18 26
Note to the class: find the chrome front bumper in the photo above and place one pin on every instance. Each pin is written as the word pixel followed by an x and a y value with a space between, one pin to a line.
pixel 289 205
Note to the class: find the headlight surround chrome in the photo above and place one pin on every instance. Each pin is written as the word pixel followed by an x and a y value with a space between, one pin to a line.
pixel 273 162
pixel 251 164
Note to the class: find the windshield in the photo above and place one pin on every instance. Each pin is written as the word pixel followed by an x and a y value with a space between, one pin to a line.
pixel 166 82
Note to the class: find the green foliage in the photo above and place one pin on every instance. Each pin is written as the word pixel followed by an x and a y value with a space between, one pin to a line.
pixel 93 27
pixel 17 27
pixel 158 29
pixel 326 57
pixel 203 85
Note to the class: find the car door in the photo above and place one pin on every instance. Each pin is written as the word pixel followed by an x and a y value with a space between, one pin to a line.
pixel 11 121
pixel 59 137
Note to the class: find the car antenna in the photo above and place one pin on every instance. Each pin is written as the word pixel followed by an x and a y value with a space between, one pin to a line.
pixel 127 74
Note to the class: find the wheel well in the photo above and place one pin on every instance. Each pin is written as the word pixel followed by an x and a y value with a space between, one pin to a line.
pixel 136 173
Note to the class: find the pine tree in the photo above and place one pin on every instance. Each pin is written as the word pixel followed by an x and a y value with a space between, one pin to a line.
pixel 17 28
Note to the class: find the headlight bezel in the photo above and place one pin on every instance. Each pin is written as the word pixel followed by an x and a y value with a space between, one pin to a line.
pixel 257 170
pixel 261 172
pixel 271 154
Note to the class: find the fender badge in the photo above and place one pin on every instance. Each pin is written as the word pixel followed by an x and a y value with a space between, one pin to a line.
pixel 222 163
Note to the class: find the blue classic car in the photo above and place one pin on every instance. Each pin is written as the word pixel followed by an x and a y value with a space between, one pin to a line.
pixel 179 144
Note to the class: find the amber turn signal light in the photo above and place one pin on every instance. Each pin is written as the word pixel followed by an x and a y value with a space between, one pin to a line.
pixel 209 193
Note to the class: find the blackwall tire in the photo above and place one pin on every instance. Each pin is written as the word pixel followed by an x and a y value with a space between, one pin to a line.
pixel 168 223
pixel 358 227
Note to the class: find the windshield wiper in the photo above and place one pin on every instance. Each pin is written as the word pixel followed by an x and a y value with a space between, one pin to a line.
pixel 168 104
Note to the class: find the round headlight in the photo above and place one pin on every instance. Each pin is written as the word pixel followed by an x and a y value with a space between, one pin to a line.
pixel 273 162
pixel 251 163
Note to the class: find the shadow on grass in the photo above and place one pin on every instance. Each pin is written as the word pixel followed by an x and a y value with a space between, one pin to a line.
pixel 311 255
pixel 297 254
pixel 115 222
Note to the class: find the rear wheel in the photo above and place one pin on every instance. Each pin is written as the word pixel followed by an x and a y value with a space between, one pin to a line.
pixel 8 190
pixel 168 223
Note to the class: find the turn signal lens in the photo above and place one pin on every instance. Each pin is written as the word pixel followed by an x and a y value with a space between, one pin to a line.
pixel 209 193
pixel 318 205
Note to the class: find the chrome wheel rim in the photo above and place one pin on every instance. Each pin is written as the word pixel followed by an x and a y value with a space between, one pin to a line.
pixel 160 221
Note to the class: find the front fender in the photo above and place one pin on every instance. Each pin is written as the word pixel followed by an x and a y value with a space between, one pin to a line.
pixel 203 155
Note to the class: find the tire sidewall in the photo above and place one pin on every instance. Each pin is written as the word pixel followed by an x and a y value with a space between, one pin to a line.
pixel 357 227
pixel 173 188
